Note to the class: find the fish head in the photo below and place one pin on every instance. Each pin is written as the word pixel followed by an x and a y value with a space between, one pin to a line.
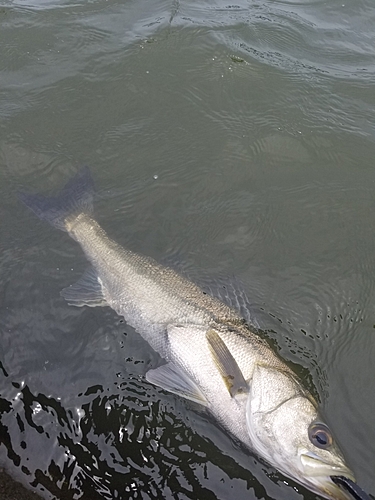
pixel 286 429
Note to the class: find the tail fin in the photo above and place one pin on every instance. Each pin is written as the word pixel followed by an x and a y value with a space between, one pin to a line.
pixel 75 197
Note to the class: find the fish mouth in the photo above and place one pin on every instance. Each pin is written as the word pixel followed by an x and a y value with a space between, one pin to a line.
pixel 355 491
pixel 328 480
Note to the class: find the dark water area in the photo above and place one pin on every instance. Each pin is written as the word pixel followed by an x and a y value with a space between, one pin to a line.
pixel 237 139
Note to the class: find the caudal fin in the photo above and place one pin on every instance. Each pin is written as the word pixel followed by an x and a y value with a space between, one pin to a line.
pixel 75 197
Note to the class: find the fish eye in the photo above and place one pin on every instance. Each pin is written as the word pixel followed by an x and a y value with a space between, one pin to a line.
pixel 320 435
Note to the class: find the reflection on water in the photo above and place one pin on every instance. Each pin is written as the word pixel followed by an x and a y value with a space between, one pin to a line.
pixel 126 444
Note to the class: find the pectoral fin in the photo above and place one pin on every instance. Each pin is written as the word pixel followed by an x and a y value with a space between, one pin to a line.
pixel 226 364
pixel 172 379
pixel 88 291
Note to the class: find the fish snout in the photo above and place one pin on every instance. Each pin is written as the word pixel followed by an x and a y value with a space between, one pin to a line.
pixel 332 481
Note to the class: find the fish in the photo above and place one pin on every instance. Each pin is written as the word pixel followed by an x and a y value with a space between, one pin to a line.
pixel 212 356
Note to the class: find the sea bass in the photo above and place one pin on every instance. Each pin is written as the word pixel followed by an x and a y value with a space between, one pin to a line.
pixel 212 355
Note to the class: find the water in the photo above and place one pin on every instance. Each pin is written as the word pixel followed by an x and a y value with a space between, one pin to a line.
pixel 238 139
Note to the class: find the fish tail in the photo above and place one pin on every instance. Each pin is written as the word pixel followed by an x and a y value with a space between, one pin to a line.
pixel 76 197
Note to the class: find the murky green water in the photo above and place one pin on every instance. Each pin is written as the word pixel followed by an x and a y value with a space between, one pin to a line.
pixel 239 138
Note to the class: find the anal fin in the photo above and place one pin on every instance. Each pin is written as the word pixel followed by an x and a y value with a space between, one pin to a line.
pixel 88 291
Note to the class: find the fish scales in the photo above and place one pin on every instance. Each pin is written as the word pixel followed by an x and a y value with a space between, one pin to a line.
pixel 211 356
pixel 146 292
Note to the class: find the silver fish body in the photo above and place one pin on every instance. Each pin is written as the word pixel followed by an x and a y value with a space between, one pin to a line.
pixel 212 356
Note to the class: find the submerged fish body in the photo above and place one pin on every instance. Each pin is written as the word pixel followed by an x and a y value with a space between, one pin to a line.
pixel 212 356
